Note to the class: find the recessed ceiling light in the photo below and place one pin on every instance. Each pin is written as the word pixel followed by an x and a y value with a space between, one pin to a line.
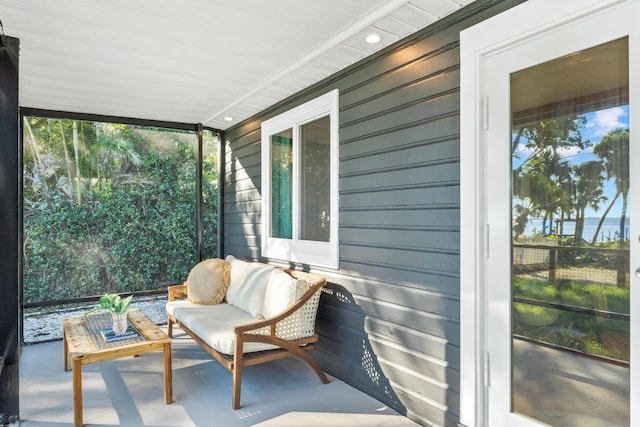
pixel 373 38
pixel 228 118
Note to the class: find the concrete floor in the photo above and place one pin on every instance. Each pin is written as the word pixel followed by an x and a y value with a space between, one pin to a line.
pixel 129 392
pixel 566 390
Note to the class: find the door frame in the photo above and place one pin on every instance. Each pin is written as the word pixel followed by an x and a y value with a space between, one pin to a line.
pixel 502 32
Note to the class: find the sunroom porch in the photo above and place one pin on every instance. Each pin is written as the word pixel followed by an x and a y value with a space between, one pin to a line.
pixel 398 299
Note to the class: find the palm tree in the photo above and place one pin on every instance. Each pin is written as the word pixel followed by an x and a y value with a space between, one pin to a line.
pixel 588 192
pixel 613 149
pixel 540 179
pixel 112 154
pixel 540 188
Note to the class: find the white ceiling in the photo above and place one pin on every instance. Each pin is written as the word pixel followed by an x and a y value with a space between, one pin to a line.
pixel 195 61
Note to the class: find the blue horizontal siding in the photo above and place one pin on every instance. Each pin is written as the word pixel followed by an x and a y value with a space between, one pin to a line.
pixel 389 317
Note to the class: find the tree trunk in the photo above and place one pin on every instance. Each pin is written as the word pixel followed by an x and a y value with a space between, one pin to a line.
pixel 76 152
pixel 623 267
pixel 67 160
pixel 604 216
pixel 34 146
pixel 577 237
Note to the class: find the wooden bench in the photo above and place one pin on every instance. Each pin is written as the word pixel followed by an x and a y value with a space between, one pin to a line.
pixel 253 340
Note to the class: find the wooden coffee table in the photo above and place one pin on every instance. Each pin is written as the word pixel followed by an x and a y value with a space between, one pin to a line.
pixel 83 346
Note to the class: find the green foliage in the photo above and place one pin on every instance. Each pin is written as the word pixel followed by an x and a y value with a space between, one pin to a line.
pixel 112 302
pixel 583 332
pixel 573 293
pixel 133 228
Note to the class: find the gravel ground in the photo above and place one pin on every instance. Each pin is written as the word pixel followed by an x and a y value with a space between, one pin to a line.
pixel 46 326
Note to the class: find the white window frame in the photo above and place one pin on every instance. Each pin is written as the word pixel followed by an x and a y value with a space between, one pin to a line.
pixel 324 254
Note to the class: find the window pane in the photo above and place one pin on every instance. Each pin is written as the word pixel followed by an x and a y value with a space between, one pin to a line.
pixel 281 183
pixel 300 216
pixel 315 200
pixel 107 207
pixel 571 320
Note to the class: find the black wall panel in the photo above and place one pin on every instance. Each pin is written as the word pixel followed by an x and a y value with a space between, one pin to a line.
pixel 9 230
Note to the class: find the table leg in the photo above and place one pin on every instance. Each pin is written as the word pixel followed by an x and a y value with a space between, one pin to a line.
pixel 65 346
pixel 168 377
pixel 77 393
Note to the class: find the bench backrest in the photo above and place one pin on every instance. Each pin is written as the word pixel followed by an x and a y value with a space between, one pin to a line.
pixel 266 291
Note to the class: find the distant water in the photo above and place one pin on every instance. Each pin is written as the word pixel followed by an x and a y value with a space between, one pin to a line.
pixel 608 231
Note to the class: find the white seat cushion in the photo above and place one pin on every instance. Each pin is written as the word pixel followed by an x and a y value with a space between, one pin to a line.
pixel 214 324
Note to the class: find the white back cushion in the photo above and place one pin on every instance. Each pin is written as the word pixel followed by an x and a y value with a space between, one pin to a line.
pixel 238 269
pixel 282 291
pixel 248 292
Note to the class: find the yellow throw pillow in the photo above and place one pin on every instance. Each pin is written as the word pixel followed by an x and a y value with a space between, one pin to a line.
pixel 208 281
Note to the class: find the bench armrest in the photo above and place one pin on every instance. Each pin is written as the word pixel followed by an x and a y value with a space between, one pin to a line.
pixel 177 291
